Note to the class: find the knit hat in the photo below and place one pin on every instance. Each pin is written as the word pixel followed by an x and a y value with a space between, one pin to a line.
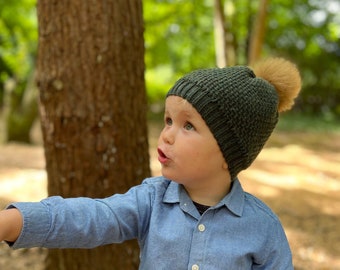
pixel 240 105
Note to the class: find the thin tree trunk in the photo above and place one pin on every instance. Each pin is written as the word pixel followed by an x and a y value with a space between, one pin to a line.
pixel 258 33
pixel 93 110
pixel 224 39
pixel 19 112
pixel 220 38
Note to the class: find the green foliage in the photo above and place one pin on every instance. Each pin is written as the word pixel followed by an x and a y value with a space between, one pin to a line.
pixel 18 45
pixel 178 38
pixel 18 42
pixel 309 34
pixel 297 122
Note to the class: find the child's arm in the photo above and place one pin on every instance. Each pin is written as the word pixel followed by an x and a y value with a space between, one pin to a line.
pixel 57 222
pixel 10 225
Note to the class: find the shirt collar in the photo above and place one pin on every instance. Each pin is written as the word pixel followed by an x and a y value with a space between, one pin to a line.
pixel 234 200
pixel 172 194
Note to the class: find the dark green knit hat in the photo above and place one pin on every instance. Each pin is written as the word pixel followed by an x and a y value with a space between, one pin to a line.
pixel 240 110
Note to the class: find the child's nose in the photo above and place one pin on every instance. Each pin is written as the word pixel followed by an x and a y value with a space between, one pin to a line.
pixel 168 135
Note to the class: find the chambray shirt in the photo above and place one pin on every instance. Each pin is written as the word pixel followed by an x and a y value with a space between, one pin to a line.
pixel 240 232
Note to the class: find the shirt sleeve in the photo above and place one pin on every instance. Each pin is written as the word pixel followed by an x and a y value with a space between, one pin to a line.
pixel 81 222
pixel 266 229
pixel 277 254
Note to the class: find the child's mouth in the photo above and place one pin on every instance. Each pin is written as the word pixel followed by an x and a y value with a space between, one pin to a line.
pixel 162 158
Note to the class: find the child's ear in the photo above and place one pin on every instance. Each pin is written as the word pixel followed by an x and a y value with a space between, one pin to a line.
pixel 225 166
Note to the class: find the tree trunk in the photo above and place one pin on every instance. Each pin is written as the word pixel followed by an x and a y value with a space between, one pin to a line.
pixel 93 110
pixel 224 39
pixel 258 33
pixel 220 38
pixel 19 111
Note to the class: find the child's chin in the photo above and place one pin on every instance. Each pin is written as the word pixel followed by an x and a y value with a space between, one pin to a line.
pixel 170 176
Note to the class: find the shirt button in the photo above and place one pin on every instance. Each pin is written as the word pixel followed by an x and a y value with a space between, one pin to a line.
pixel 201 228
pixel 195 267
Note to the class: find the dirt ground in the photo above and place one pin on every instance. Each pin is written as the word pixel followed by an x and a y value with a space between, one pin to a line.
pixel 297 175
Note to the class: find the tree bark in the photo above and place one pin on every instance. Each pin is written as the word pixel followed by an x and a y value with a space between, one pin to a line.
pixel 93 110
pixel 258 33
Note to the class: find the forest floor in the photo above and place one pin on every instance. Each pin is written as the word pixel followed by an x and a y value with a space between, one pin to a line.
pixel 297 175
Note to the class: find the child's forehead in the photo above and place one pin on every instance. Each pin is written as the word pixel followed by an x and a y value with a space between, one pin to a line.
pixel 179 104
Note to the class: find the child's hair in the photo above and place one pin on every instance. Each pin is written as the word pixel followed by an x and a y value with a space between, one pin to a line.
pixel 241 106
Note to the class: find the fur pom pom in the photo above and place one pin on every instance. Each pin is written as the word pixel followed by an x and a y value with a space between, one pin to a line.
pixel 284 76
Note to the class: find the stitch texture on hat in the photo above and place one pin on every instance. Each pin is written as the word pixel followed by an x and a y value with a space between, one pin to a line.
pixel 241 109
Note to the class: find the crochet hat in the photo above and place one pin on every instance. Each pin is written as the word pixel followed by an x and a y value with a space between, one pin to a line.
pixel 240 105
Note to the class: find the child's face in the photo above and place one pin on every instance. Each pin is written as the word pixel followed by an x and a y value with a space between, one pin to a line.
pixel 188 151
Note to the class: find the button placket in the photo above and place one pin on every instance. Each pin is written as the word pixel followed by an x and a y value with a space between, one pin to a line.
pixel 198 247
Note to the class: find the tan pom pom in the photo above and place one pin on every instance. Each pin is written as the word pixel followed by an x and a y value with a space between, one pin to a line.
pixel 284 76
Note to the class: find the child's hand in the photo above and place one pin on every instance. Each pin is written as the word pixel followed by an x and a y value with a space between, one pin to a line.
pixel 10 225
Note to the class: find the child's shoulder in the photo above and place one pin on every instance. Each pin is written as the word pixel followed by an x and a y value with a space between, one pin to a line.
pixel 156 183
pixel 156 187
pixel 257 206
pixel 156 180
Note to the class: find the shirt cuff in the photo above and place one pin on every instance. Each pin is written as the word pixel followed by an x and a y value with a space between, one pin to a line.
pixel 36 224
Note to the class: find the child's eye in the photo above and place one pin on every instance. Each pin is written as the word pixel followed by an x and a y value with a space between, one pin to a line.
pixel 168 121
pixel 188 126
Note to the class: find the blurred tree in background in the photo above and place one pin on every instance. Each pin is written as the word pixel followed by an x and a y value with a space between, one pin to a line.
pixel 309 33
pixel 179 37
pixel 18 45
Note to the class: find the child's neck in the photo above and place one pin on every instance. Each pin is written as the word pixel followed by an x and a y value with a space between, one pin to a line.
pixel 208 196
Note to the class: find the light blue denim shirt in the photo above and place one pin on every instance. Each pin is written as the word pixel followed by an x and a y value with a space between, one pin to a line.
pixel 240 232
